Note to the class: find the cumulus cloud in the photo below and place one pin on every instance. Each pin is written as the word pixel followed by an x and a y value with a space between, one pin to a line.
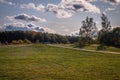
pixel 39 7
pixel 80 5
pixel 14 27
pixel 25 27
pixel 26 17
pixel 66 8
pixel 59 11
pixel 7 2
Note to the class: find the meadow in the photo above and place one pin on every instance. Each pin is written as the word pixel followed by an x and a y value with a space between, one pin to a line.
pixel 43 62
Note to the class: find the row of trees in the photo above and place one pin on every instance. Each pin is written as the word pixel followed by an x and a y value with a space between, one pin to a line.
pixel 9 36
pixel 106 36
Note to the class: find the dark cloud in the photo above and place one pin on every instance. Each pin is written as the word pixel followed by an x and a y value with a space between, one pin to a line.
pixel 77 6
pixel 114 1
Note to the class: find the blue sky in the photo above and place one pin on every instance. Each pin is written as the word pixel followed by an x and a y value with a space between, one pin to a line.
pixel 57 16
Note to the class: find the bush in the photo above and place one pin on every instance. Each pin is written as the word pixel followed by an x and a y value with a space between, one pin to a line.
pixel 20 41
pixel 15 42
pixel 27 41
pixel 0 43
pixel 37 42
pixel 83 41
pixel 101 47
pixel 81 45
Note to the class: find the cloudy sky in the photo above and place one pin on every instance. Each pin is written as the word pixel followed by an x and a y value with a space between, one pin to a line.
pixel 55 16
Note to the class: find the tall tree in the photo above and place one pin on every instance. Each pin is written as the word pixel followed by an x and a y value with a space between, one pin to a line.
pixel 88 28
pixel 106 27
pixel 105 23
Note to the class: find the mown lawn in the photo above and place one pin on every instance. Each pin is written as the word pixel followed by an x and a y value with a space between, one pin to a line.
pixel 42 62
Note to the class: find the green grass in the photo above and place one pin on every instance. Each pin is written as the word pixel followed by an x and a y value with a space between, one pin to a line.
pixel 42 62
pixel 108 48
pixel 92 47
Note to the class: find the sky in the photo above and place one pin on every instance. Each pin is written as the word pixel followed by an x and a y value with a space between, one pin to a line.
pixel 56 16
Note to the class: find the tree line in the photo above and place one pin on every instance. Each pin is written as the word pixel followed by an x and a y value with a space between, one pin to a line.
pixel 12 36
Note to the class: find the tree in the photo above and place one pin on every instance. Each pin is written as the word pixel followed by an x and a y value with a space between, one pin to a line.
pixel 105 23
pixel 106 27
pixel 111 38
pixel 88 29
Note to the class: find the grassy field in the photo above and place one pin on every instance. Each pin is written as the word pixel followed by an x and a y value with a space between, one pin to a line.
pixel 92 47
pixel 42 62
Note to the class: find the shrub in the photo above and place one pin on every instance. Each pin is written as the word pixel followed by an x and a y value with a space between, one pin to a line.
pixel 15 42
pixel 101 47
pixel 20 41
pixel 37 42
pixel 27 41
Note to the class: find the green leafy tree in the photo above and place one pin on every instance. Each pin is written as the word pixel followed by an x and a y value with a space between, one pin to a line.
pixel 88 30
pixel 105 23
pixel 106 27
pixel 111 38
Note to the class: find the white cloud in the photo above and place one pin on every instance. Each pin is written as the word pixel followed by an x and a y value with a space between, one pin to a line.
pixel 26 17
pixel 63 14
pixel 49 30
pixel 7 2
pixel 14 27
pixel 75 33
pixel 66 30
pixel 110 9
pixel 66 8
pixel 59 11
pixel 80 5
pixel 39 7
pixel 25 27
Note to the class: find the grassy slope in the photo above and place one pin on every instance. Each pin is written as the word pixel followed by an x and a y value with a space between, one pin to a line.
pixel 41 62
